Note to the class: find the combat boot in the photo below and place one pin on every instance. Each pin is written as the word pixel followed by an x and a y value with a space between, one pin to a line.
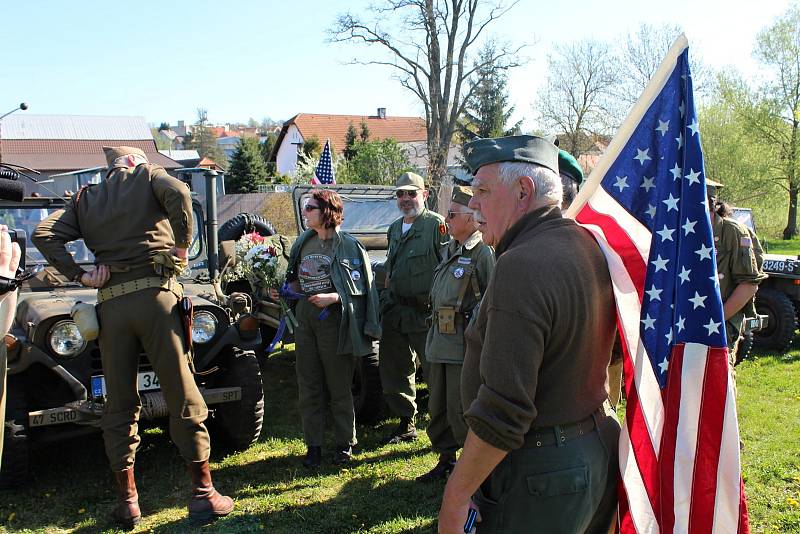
pixel 126 513
pixel 442 469
pixel 404 431
pixel 206 502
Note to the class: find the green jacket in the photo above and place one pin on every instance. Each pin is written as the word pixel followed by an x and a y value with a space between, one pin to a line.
pixel 459 281
pixel 352 278
pixel 410 262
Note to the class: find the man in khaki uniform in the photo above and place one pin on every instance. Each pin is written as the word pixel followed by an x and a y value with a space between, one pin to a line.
pixel 738 270
pixel 415 242
pixel 137 217
pixel 458 283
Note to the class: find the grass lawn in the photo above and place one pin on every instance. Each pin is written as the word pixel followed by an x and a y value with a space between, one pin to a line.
pixel 780 246
pixel 71 489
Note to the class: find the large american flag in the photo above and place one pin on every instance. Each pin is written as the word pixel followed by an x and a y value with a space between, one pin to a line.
pixel 645 204
pixel 325 174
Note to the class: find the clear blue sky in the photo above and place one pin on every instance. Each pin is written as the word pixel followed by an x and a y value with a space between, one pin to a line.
pixel 250 58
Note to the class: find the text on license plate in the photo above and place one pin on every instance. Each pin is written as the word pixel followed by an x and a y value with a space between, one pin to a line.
pixel 146 382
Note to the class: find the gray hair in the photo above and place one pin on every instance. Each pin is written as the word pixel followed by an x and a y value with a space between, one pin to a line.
pixel 548 183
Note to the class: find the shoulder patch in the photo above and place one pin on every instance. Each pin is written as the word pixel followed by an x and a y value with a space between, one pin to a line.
pixel 745 241
pixel 442 228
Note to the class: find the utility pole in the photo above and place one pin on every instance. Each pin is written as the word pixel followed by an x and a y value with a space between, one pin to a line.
pixel 23 106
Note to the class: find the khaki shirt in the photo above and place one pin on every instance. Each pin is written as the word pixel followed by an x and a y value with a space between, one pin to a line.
pixel 410 262
pixel 464 270
pixel 736 261
pixel 125 221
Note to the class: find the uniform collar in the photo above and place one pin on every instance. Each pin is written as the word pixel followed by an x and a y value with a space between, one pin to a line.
pixel 472 240
pixel 525 224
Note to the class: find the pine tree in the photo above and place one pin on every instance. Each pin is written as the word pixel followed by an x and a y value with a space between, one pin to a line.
pixel 487 111
pixel 350 142
pixel 266 153
pixel 247 169
pixel 364 131
pixel 203 140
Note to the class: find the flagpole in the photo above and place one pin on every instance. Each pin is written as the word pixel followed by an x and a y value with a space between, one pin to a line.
pixel 634 117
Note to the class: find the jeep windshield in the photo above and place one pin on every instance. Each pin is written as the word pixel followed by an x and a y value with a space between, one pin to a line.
pixel 367 209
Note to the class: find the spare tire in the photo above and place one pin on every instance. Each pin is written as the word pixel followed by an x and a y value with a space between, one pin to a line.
pixel 245 223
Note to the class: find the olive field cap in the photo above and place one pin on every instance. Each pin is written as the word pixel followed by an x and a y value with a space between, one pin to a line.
pixel 521 148
pixel 569 165
pixel 713 187
pixel 461 195
pixel 114 152
pixel 410 180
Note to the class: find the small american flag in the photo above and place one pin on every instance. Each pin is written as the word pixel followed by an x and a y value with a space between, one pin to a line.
pixel 645 204
pixel 325 174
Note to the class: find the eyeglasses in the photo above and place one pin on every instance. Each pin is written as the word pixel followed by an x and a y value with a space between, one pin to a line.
pixel 403 192
pixel 310 207
pixel 452 214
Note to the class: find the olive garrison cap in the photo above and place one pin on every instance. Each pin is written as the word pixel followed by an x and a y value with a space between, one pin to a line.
pixel 114 152
pixel 461 195
pixel 409 180
pixel 713 187
pixel 569 166
pixel 521 148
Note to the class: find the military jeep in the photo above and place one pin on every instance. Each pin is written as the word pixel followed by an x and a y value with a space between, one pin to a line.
pixel 56 388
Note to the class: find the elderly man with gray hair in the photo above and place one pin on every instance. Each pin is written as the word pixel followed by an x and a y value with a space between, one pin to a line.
pixel 540 454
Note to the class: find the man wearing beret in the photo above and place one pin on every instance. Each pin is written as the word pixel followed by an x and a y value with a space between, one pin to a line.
pixel 136 222
pixel 459 281
pixel 415 242
pixel 540 454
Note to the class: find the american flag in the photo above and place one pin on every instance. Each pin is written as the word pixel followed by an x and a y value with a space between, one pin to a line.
pixel 325 173
pixel 645 204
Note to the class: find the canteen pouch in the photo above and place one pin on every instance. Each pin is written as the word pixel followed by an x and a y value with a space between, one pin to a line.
pixel 85 317
pixel 446 317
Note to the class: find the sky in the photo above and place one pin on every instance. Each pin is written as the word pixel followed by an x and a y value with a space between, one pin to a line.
pixel 264 58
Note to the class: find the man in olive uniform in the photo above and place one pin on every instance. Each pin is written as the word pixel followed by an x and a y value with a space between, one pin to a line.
pixel 138 217
pixel 415 243
pixel 541 450
pixel 738 270
pixel 458 283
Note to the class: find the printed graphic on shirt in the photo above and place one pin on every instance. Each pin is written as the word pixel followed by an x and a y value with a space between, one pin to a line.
pixel 315 274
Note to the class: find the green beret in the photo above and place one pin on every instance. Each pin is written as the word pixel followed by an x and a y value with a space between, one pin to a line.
pixel 569 166
pixel 520 148
pixel 713 187
pixel 114 152
pixel 461 195
pixel 410 180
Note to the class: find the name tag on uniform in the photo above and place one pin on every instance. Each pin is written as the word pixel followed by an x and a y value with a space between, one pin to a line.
pixel 356 261
pixel 464 261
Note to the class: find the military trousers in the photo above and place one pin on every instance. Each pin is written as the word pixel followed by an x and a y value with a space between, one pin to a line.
pixel 566 488
pixel 400 353
pixel 323 377
pixel 447 429
pixel 148 320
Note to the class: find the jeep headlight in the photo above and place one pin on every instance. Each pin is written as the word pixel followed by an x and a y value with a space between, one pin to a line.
pixel 65 340
pixel 204 326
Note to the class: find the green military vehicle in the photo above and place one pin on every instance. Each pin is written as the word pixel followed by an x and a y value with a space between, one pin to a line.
pixel 56 388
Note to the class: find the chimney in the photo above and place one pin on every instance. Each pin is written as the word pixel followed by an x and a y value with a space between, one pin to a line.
pixel 381 113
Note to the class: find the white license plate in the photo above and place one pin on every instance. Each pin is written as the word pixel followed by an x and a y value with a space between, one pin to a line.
pixel 147 381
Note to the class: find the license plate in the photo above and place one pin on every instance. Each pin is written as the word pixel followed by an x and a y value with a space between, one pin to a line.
pixel 147 381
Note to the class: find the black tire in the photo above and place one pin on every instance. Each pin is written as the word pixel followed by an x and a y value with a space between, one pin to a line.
pixel 238 424
pixel 245 223
pixel 782 320
pixel 367 390
pixel 16 442
pixel 744 349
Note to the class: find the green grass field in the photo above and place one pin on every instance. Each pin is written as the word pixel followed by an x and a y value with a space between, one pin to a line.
pixel 71 490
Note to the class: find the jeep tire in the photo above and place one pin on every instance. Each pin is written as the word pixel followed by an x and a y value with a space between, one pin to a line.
pixel 782 321
pixel 238 424
pixel 245 223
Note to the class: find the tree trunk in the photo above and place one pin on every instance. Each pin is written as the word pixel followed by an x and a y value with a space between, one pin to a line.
pixel 791 224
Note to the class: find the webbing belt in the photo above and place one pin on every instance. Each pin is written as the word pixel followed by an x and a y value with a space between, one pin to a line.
pixel 132 286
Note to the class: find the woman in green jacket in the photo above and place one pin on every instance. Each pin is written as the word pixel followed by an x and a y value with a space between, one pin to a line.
pixel 338 320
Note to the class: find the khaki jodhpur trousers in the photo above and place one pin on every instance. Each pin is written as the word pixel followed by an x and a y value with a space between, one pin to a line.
pixel 148 320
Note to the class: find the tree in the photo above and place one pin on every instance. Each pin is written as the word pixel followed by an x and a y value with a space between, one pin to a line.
pixel 350 142
pixel 577 102
pixel 164 126
pixel 487 112
pixel 203 140
pixel 375 162
pixel 364 131
pixel 247 170
pixel 267 147
pixel 312 148
pixel 428 43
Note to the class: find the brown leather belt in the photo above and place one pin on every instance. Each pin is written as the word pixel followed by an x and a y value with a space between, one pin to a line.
pixel 547 436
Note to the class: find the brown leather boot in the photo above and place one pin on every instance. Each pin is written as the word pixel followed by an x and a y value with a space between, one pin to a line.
pixel 206 502
pixel 127 513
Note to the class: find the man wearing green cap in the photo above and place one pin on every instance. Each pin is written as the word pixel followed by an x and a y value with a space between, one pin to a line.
pixel 415 242
pixel 137 217
pixel 540 454
pixel 459 281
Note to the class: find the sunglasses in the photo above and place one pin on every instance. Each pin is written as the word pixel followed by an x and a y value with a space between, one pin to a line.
pixel 452 214
pixel 309 207
pixel 403 192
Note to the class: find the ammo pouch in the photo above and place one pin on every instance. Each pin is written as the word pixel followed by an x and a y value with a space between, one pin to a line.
pixel 85 317
pixel 446 319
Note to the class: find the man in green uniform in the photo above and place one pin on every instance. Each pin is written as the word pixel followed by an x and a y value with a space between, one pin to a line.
pixel 738 270
pixel 415 242
pixel 458 283
pixel 137 217
pixel 540 453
